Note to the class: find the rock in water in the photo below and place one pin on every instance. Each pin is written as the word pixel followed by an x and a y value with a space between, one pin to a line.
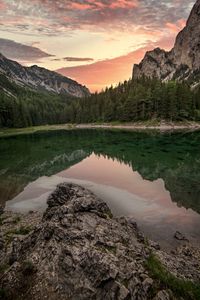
pixel 179 236
pixel 79 251
pixel 182 62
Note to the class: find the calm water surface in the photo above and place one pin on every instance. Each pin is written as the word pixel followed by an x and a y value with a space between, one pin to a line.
pixel 153 177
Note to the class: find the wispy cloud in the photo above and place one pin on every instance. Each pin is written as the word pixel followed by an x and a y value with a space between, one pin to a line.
pixel 71 59
pixel 90 28
pixel 18 51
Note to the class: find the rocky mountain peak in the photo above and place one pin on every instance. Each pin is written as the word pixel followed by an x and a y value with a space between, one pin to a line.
pixel 187 46
pixel 195 14
pixel 183 61
pixel 41 79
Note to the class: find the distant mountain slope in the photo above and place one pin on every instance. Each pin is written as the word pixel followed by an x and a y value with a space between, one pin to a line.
pixel 183 61
pixel 40 79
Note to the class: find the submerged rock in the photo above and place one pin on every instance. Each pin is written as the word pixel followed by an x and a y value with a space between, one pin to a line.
pixel 179 236
pixel 79 251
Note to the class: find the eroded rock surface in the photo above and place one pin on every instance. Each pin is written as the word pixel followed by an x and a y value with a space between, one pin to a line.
pixel 79 251
pixel 183 61
pixel 40 79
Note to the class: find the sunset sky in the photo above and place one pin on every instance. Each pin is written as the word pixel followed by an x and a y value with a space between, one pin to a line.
pixel 95 42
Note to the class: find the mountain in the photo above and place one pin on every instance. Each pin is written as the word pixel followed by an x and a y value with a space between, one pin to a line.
pixel 182 62
pixel 40 79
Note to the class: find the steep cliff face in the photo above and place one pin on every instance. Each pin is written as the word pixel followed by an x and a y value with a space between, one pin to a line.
pixel 183 61
pixel 40 79
pixel 156 63
pixel 187 46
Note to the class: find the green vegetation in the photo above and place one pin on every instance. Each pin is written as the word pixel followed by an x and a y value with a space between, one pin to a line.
pixel 27 130
pixel 140 100
pixel 3 294
pixel 16 220
pixel 22 230
pixel 165 280
pixel 3 268
pixel 135 100
pixel 21 107
pixel 28 268
pixel 2 219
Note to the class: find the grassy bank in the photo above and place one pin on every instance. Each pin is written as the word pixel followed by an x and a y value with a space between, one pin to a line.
pixel 17 131
pixel 183 289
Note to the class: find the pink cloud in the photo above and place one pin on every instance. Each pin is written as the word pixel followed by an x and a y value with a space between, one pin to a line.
pixel 124 4
pixel 111 71
pixel 2 5
pixel 176 27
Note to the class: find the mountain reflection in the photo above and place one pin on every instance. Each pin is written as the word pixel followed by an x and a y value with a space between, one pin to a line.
pixel 173 157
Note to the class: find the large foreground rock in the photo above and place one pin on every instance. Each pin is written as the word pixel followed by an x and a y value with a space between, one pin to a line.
pixel 79 251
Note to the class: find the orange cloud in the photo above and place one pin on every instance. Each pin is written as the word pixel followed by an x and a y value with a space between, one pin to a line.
pixel 97 3
pixel 80 6
pixel 124 4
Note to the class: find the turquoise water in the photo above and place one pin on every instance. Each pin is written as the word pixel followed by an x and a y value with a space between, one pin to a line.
pixel 160 172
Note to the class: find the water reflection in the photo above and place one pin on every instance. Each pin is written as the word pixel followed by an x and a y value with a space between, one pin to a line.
pixel 126 193
pixel 170 162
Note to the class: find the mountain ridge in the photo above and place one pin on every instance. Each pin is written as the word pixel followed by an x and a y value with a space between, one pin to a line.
pixel 182 62
pixel 40 79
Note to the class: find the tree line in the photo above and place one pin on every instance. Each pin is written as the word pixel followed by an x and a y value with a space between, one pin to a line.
pixel 140 99
pixel 134 100
pixel 22 107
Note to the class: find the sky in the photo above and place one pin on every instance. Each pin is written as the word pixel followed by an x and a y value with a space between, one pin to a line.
pixel 95 42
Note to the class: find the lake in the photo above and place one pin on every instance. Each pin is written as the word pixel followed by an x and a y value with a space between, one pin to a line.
pixel 153 177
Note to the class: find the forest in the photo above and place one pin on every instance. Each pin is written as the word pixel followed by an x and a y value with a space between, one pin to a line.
pixel 22 107
pixel 134 100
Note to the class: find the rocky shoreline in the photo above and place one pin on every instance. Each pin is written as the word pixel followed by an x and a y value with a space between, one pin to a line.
pixel 161 126
pixel 78 250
